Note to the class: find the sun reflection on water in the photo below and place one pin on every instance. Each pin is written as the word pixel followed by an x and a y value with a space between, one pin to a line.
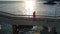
pixel 29 7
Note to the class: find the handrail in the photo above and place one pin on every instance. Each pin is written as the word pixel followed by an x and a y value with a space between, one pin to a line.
pixel 9 14
pixel 6 13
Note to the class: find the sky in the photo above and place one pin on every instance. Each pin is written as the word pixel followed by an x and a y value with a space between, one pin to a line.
pixel 24 0
pixel 16 0
pixel 11 0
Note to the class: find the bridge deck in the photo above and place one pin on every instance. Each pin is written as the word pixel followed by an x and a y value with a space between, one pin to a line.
pixel 29 21
pixel 47 21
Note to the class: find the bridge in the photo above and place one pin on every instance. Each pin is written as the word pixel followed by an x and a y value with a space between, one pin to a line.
pixel 26 20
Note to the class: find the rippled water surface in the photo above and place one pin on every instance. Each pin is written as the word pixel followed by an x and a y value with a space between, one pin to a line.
pixel 27 8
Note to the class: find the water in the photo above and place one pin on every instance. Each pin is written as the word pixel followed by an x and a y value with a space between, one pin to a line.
pixel 18 8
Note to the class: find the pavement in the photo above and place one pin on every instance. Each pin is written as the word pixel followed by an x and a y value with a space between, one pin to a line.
pixel 29 21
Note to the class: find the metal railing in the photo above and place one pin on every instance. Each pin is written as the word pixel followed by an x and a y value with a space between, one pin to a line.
pixel 37 16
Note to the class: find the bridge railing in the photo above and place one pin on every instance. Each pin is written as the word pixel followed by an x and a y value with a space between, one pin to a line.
pixel 37 16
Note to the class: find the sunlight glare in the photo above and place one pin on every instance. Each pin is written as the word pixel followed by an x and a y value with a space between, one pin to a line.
pixel 29 6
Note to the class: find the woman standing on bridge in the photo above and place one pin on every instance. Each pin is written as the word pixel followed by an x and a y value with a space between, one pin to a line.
pixel 34 15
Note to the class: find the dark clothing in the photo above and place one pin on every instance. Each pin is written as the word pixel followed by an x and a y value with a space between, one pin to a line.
pixel 44 32
pixel 33 14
